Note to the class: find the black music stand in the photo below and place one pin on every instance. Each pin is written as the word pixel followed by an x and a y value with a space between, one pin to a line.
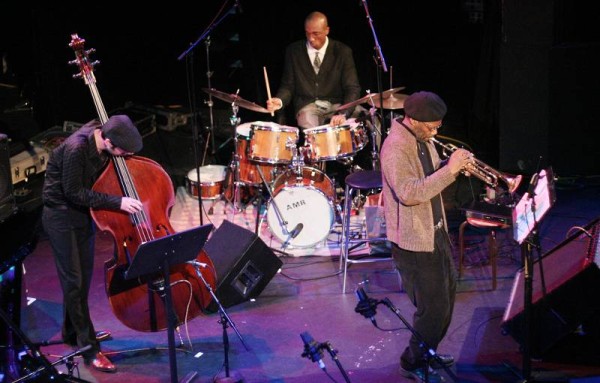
pixel 158 256
pixel 526 216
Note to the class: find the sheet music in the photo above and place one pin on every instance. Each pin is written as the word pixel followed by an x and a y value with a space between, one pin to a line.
pixel 524 215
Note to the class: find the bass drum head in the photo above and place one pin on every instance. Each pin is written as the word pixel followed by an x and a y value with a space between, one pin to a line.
pixel 303 205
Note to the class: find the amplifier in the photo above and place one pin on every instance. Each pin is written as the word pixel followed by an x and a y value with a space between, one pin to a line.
pixel 28 163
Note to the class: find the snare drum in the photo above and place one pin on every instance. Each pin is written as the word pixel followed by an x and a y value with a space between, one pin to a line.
pixel 248 172
pixel 272 143
pixel 334 142
pixel 305 202
pixel 211 181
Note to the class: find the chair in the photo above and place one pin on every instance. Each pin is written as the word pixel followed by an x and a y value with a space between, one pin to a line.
pixel 493 228
pixel 362 180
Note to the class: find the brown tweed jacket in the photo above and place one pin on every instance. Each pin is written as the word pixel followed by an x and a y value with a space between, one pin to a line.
pixel 407 193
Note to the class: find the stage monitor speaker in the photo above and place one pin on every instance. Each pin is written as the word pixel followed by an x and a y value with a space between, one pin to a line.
pixel 7 198
pixel 572 279
pixel 243 262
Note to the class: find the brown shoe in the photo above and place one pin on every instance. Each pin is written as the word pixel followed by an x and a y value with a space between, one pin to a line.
pixel 102 363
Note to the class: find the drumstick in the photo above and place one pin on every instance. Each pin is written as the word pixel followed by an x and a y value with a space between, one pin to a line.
pixel 268 88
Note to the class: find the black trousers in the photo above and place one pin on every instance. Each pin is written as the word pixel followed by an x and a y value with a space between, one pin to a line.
pixel 71 233
pixel 430 282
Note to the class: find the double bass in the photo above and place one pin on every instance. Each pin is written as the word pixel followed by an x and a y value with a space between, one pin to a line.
pixel 140 303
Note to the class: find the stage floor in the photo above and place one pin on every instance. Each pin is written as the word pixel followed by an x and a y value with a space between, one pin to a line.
pixel 306 296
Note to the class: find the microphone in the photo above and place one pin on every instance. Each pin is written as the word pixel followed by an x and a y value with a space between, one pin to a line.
pixel 312 350
pixel 294 233
pixel 366 306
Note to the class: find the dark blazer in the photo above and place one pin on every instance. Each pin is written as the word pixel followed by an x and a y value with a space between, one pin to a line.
pixel 336 82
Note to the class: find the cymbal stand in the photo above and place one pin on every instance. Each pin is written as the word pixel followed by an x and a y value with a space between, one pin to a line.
pixel 234 120
pixel 374 132
pixel 209 103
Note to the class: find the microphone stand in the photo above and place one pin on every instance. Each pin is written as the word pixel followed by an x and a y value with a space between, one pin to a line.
pixel 193 108
pixel 367 308
pixel 429 353
pixel 379 59
pixel 225 322
pixel 333 352
pixel 46 366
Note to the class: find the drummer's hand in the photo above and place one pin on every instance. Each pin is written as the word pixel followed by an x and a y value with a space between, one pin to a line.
pixel 337 120
pixel 131 205
pixel 274 104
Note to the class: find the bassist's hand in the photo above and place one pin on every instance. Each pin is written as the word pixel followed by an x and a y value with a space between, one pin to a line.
pixel 131 205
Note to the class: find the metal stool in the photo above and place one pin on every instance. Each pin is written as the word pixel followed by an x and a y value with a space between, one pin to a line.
pixel 492 243
pixel 362 180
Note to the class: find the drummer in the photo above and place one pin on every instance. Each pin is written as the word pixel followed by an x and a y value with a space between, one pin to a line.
pixel 319 75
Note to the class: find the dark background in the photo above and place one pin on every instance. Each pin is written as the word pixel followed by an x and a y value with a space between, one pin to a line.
pixel 519 77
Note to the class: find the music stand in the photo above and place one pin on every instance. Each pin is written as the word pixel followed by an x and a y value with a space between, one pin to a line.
pixel 526 215
pixel 159 255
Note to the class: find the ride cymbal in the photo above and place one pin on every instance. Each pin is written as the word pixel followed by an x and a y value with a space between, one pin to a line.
pixel 237 99
pixel 375 96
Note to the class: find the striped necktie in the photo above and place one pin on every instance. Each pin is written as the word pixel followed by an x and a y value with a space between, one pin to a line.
pixel 317 62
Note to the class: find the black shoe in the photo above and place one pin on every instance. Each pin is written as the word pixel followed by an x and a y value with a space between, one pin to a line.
pixel 446 361
pixel 103 335
pixel 419 374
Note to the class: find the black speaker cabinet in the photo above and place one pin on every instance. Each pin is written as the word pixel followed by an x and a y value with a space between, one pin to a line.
pixel 7 199
pixel 572 279
pixel 243 262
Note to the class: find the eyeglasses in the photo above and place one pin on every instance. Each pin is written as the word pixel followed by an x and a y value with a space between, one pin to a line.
pixel 432 128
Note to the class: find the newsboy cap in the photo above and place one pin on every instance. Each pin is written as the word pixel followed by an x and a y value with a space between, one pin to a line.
pixel 122 133
pixel 425 106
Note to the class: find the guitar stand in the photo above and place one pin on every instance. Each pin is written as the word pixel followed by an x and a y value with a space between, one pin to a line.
pixel 225 322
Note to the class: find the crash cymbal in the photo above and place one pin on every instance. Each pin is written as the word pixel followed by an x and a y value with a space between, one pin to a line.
pixel 395 101
pixel 374 96
pixel 238 100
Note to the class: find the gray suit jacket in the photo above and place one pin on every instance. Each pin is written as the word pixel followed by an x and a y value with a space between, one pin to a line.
pixel 336 82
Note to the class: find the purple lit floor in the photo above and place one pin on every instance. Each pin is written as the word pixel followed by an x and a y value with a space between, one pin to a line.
pixel 306 296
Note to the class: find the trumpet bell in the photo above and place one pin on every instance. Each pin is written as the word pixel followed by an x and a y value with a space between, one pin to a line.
pixel 513 183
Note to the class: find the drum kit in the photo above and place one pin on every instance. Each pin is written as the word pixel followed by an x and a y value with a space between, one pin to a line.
pixel 302 203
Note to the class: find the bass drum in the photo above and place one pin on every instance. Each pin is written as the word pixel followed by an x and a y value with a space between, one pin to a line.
pixel 306 202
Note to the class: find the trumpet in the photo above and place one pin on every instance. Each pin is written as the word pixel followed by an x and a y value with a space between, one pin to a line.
pixel 481 170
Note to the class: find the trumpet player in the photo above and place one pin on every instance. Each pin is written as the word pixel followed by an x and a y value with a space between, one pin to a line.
pixel 413 179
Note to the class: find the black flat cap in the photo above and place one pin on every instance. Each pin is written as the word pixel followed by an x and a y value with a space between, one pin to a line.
pixel 122 133
pixel 425 106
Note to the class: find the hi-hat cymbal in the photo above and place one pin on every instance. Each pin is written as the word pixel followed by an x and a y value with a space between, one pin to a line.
pixel 374 96
pixel 395 101
pixel 237 99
